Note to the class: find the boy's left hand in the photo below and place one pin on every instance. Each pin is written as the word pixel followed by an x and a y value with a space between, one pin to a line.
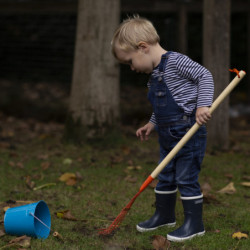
pixel 202 115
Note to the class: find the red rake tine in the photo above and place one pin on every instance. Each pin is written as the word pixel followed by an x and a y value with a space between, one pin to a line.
pixel 115 224
pixel 174 151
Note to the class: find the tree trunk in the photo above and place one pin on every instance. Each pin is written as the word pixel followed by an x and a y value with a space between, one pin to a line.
pixel 248 54
pixel 216 56
pixel 94 100
pixel 182 29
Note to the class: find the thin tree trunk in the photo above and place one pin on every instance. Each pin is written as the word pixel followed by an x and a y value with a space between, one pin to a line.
pixel 216 56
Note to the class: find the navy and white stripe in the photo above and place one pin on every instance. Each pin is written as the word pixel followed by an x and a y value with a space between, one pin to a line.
pixel 190 84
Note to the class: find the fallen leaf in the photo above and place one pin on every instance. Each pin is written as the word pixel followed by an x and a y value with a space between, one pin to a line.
pixel 126 150
pixel 20 165
pixel 245 184
pixel 44 186
pixel 130 179
pixel 45 165
pixel 67 161
pixel 11 203
pixel 246 177
pixel 209 198
pixel 30 184
pixel 206 188
pixel 23 241
pixel 66 214
pixel 239 236
pixel 116 159
pixel 5 209
pixel 160 242
pixel 229 176
pixel 67 176
pixel 2 233
pixel 229 189
pixel 11 163
pixel 134 168
pixel 71 181
pixel 42 157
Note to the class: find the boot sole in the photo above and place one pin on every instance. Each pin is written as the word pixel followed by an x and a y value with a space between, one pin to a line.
pixel 142 230
pixel 179 239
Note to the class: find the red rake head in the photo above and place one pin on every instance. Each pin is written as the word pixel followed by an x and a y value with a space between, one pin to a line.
pixel 115 224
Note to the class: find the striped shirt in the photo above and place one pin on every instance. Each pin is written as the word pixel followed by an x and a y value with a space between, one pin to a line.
pixel 190 84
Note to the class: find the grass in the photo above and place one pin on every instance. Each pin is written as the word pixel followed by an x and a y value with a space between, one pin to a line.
pixel 107 185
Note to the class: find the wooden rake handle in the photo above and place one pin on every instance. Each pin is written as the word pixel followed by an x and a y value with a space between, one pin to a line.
pixel 192 131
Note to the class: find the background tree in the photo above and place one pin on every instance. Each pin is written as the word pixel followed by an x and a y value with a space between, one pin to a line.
pixel 94 99
pixel 216 56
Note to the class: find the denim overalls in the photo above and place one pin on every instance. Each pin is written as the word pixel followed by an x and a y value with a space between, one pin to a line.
pixel 172 124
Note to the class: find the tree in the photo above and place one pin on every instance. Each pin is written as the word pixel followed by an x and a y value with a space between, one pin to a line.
pixel 94 99
pixel 216 56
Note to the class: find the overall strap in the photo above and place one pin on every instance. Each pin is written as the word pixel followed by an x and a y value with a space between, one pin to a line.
pixel 164 60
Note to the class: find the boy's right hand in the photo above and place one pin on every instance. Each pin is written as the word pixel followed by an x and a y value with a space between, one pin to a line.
pixel 145 131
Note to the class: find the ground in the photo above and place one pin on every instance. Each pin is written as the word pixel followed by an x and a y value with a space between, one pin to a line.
pixel 104 176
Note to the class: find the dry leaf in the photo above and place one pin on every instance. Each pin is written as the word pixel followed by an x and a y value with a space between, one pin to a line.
pixel 42 157
pixel 67 176
pixel 134 168
pixel 79 176
pixel 11 203
pixel 45 165
pixel 67 161
pixel 5 208
pixel 246 177
pixel 71 181
pixel 229 189
pixel 2 233
pixel 209 198
pixel 116 159
pixel 160 242
pixel 23 241
pixel 239 236
pixel 131 179
pixel 245 184
pixel 206 188
pixel 66 214
pixel 126 150
pixel 20 165
pixel 44 186
pixel 30 184
pixel 229 176
pixel 11 163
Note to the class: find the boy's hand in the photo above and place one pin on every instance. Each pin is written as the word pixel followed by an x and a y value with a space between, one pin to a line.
pixel 145 131
pixel 202 115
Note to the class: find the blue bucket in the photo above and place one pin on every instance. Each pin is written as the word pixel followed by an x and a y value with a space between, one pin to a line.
pixel 31 219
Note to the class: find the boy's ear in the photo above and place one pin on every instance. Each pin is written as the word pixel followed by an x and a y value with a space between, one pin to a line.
pixel 143 46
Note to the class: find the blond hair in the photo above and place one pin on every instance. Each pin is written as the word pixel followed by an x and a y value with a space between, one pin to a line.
pixel 132 31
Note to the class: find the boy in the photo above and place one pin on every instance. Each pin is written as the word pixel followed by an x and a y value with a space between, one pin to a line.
pixel 181 92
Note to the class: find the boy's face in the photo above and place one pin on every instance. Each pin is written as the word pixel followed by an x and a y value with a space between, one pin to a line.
pixel 138 60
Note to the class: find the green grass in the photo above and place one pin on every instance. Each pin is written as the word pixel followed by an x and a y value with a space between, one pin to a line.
pixel 104 190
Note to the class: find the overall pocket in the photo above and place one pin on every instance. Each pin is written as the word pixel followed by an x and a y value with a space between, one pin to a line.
pixel 177 131
pixel 161 98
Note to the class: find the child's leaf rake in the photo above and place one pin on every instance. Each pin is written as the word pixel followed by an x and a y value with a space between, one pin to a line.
pixel 115 224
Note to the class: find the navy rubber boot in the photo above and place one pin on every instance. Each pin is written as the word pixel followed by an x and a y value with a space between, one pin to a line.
pixel 164 214
pixel 193 224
